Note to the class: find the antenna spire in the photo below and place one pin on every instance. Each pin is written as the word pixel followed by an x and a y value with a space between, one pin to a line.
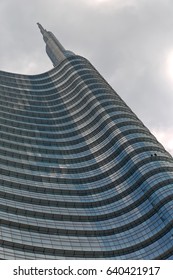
pixel 54 49
pixel 41 28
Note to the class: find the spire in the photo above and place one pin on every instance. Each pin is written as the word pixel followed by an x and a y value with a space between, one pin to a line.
pixel 41 28
pixel 54 49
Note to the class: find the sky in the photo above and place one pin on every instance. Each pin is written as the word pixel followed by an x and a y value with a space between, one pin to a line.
pixel 130 42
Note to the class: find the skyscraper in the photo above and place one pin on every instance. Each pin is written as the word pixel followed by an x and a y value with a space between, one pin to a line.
pixel 81 177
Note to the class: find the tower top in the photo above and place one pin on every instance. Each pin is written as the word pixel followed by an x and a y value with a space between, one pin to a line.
pixel 41 28
pixel 54 49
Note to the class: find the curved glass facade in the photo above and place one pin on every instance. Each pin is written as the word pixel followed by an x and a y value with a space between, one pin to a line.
pixel 81 177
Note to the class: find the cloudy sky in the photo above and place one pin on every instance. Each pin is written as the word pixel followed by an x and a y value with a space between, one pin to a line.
pixel 130 42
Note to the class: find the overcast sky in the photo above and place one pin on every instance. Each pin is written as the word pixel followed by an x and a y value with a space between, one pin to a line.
pixel 130 42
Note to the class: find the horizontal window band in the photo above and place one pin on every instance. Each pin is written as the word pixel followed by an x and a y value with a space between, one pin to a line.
pixel 90 179
pixel 47 91
pixel 93 91
pixel 121 165
pixel 7 181
pixel 76 137
pixel 85 232
pixel 63 69
pixel 96 97
pixel 87 254
pixel 78 62
pixel 63 133
pixel 82 159
pixel 99 92
pixel 57 77
pixel 85 94
pixel 100 203
pixel 49 129
pixel 75 150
